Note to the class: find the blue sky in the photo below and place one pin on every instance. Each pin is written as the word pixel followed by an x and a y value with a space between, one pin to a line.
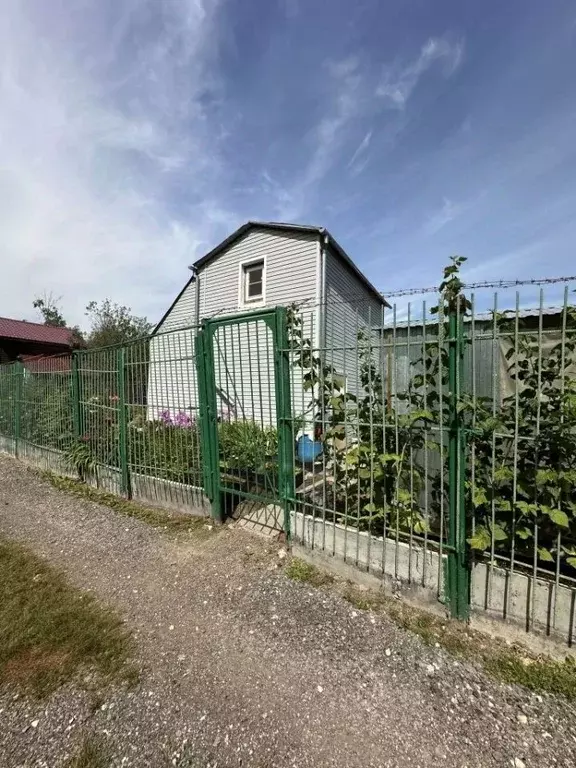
pixel 136 134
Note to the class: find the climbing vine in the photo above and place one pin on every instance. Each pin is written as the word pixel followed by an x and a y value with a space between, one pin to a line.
pixel 520 474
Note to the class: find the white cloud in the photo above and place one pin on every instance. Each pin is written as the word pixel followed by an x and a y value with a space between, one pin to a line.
pixel 343 107
pixel 447 213
pixel 398 82
pixel 90 150
pixel 360 150
pixel 343 104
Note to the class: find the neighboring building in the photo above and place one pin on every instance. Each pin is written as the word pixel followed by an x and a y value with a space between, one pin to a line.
pixel 28 342
pixel 486 353
pixel 261 265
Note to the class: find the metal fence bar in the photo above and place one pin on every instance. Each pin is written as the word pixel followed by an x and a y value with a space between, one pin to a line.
pixel 286 488
pixel 458 573
pixel 18 405
pixel 122 425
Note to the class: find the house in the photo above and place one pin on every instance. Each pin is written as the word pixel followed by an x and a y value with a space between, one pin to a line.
pixel 30 342
pixel 261 264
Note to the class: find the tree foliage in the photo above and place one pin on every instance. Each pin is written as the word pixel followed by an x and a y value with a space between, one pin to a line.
pixel 49 308
pixel 51 313
pixel 112 323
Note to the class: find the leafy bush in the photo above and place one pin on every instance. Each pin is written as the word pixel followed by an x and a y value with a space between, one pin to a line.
pixel 376 482
pixel 524 489
pixel 46 409
pixel 520 477
pixel 245 446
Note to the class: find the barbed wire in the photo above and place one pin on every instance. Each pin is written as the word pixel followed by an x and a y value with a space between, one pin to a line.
pixel 484 284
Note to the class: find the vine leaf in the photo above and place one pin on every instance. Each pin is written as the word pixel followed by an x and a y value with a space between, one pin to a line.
pixel 481 539
pixel 558 516
pixel 545 555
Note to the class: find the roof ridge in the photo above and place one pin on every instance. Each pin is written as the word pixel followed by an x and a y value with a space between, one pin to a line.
pixel 32 322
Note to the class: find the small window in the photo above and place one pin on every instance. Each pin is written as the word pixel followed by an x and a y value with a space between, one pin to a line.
pixel 253 278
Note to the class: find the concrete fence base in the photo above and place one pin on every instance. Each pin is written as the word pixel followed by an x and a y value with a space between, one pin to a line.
pixel 403 565
pixel 158 492
pixel 511 599
pixel 539 606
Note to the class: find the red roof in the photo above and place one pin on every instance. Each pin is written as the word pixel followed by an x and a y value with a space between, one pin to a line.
pixel 43 334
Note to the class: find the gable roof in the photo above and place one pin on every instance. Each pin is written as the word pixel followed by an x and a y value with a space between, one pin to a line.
pixel 275 226
pixel 21 330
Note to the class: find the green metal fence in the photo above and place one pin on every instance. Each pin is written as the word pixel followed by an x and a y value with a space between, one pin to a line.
pixel 441 449
pixel 434 447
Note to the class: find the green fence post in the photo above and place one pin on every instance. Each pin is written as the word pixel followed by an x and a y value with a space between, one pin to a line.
pixel 208 416
pixel 122 423
pixel 19 374
pixel 458 565
pixel 203 415
pixel 284 417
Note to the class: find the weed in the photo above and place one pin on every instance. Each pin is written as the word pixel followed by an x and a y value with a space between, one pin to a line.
pixel 299 570
pixel 51 632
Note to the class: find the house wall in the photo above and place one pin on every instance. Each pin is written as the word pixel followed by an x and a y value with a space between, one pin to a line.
pixel 243 354
pixel 349 308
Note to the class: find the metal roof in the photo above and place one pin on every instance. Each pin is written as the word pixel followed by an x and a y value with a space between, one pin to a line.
pixel 480 317
pixel 22 330
pixel 296 228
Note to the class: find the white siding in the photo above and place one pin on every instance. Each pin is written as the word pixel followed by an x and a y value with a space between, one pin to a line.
pixel 183 312
pixel 290 271
pixel 350 307
pixel 172 379
pixel 243 357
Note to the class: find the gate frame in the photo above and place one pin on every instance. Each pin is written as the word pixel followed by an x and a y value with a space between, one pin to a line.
pixel 276 319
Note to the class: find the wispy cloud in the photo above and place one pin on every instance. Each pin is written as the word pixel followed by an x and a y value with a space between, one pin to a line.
pixel 398 82
pixel 446 213
pixel 344 97
pixel 358 152
pixel 90 157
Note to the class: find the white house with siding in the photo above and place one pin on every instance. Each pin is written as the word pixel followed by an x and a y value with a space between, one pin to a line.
pixel 261 264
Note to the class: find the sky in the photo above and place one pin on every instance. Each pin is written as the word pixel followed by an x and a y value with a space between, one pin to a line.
pixel 137 134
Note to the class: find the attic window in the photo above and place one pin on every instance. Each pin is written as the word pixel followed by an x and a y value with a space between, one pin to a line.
pixel 253 282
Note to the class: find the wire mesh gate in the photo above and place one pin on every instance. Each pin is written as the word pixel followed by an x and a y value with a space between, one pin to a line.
pixel 245 412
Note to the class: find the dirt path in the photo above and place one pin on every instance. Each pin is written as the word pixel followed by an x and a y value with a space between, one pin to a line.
pixel 242 666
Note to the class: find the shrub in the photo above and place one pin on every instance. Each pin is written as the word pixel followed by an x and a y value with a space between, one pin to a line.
pixel 245 446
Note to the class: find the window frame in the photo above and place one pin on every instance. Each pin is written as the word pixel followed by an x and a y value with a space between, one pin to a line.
pixel 244 266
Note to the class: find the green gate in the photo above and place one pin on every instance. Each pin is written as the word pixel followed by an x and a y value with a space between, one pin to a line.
pixel 245 413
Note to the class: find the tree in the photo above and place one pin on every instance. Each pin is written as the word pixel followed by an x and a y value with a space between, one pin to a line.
pixel 49 308
pixel 50 311
pixel 114 324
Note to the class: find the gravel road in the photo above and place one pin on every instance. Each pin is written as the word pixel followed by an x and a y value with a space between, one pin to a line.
pixel 243 667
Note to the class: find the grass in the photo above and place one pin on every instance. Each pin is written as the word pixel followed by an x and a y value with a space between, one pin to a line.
pixel 157 518
pixel 512 664
pixel 300 570
pixel 51 632
pixel 93 753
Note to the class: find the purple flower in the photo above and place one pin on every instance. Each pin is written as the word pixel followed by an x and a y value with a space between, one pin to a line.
pixel 165 417
pixel 182 420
